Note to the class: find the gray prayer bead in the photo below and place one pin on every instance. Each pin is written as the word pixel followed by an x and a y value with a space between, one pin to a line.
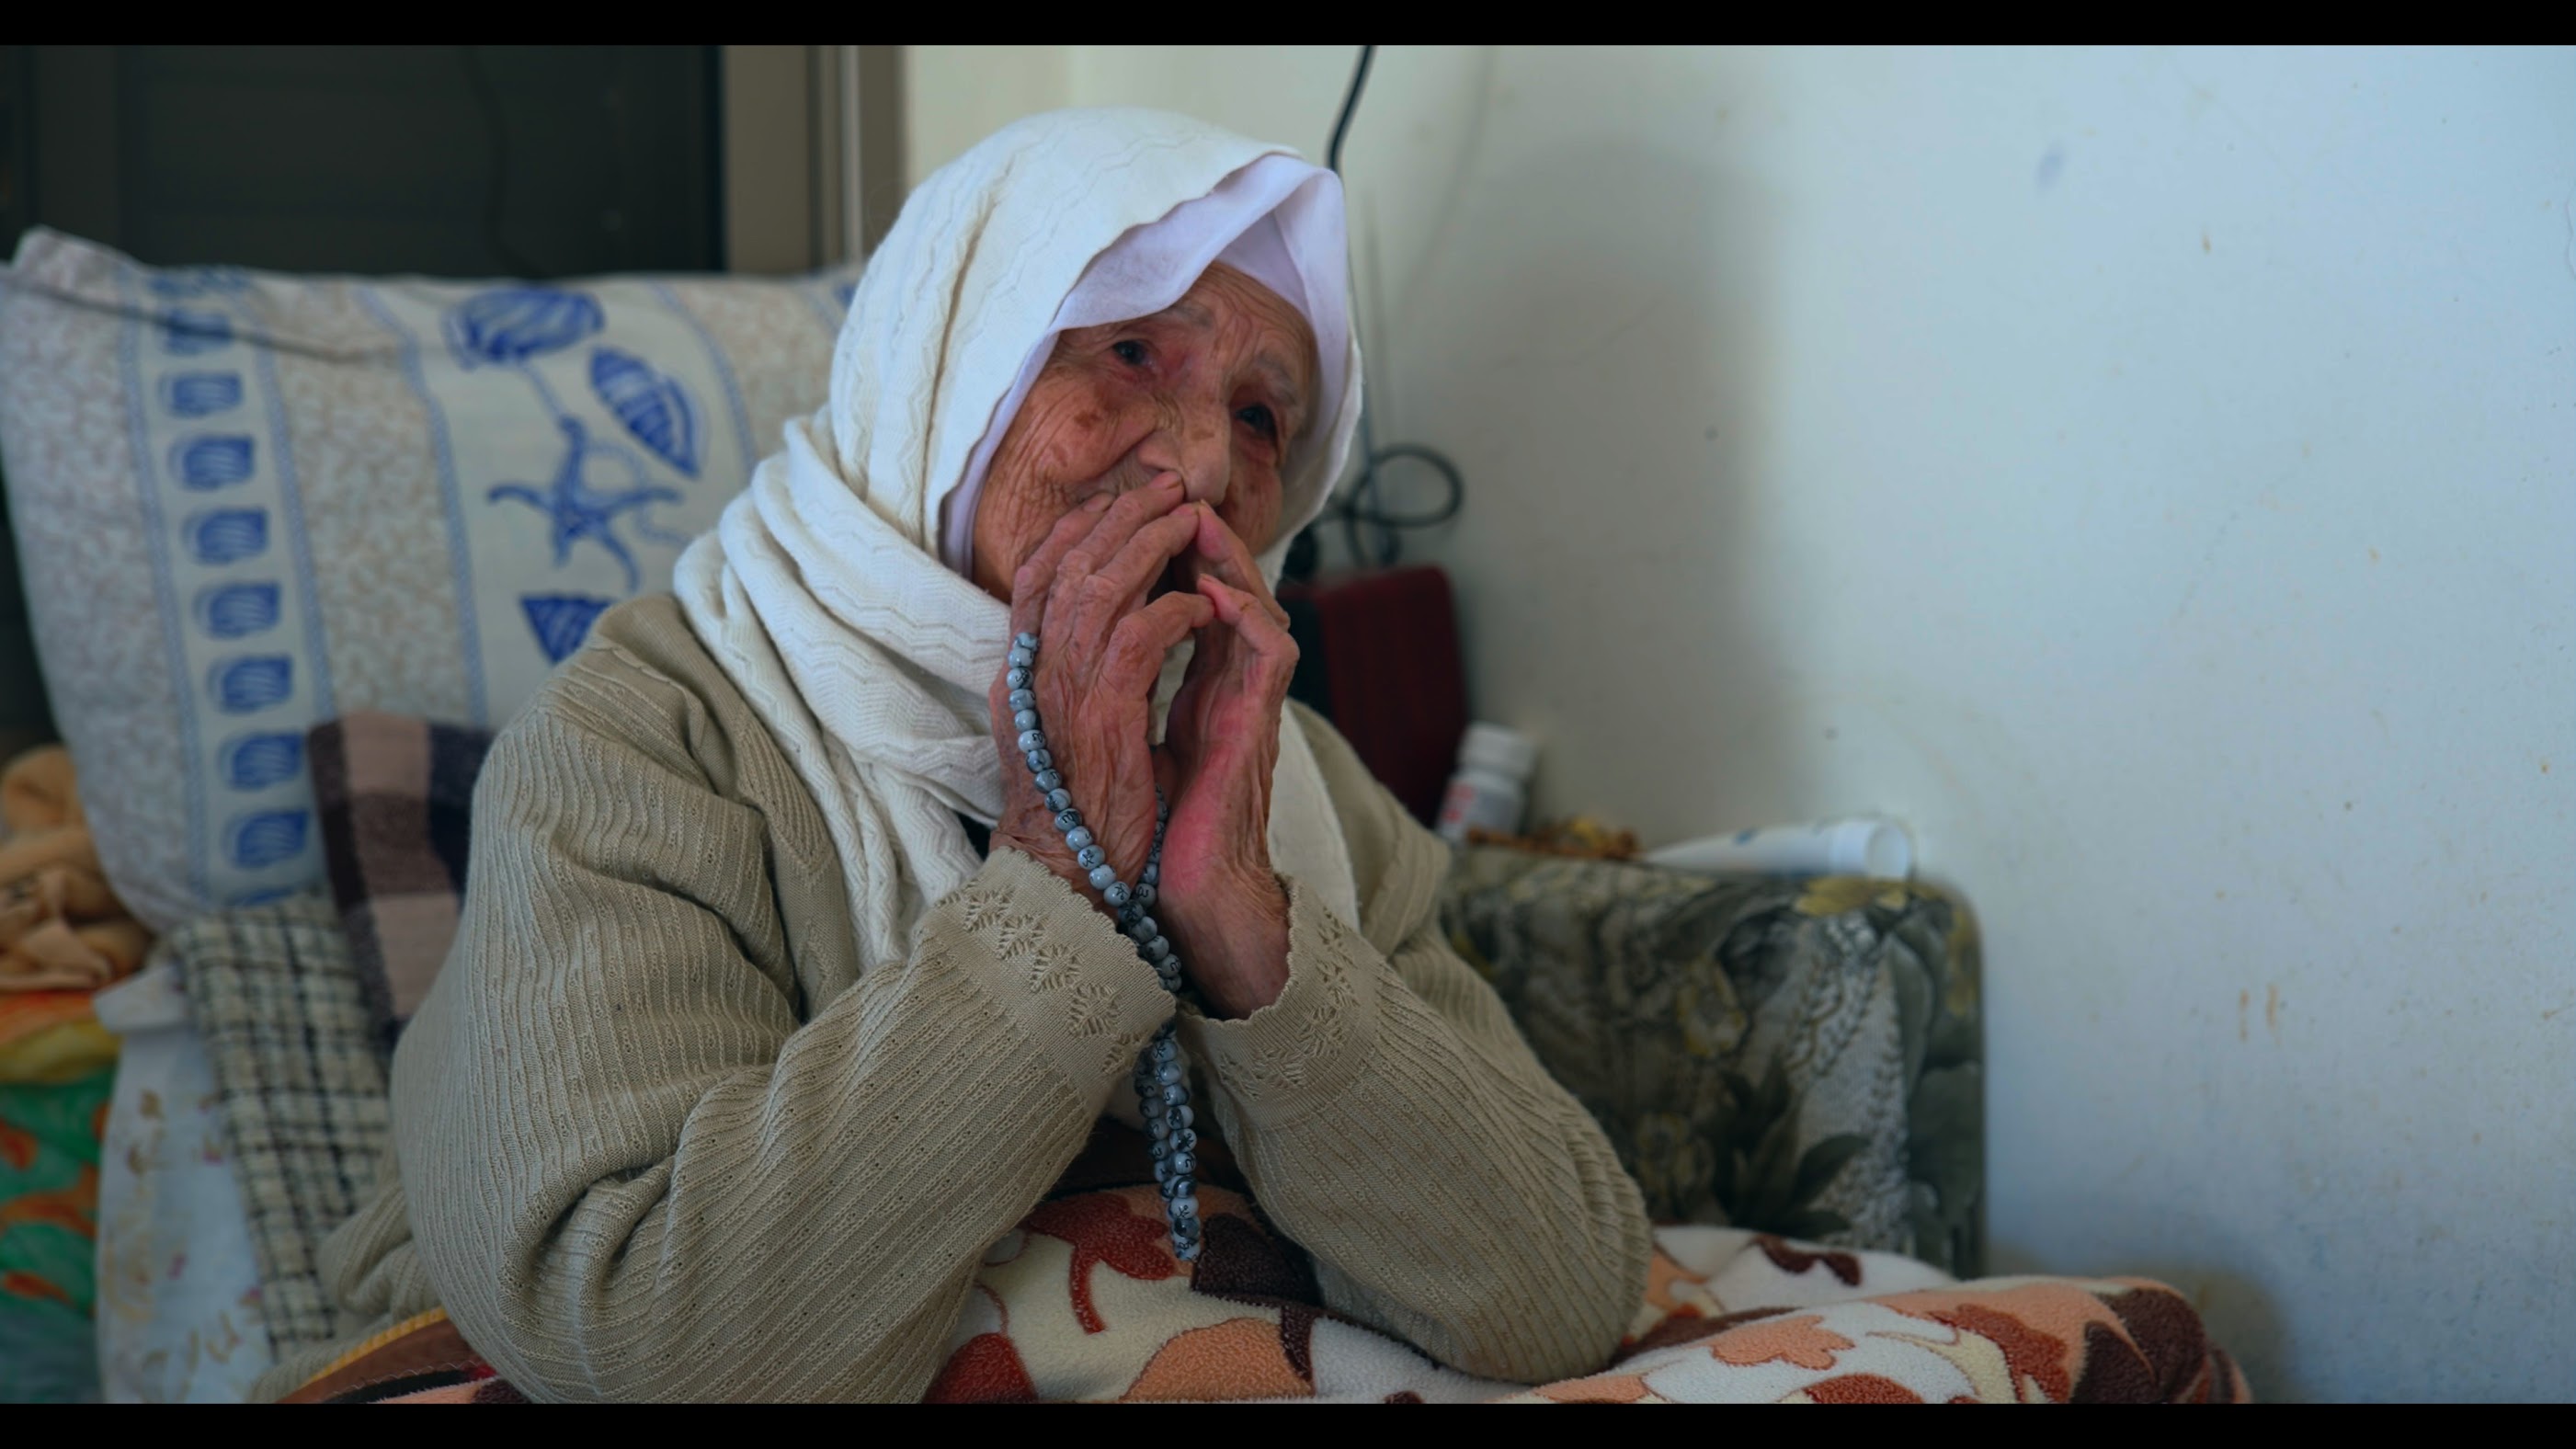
pixel 1159 1149
pixel 1183 1139
pixel 1026 719
pixel 1024 640
pixel 1078 837
pixel 1041 760
pixel 1162 807
pixel 1182 1116
pixel 1058 798
pixel 1033 740
pixel 1174 1187
pixel 1157 948
pixel 1185 1206
pixel 1021 658
pixel 1169 1072
pixel 1153 874
pixel 1187 1252
pixel 1174 1094
pixel 1184 1162
pixel 1145 891
pixel 1050 779
pixel 1090 856
pixel 1115 892
pixel 1102 877
pixel 1128 913
pixel 1067 818
pixel 1023 698
pixel 1144 928
pixel 1017 678
pixel 1164 1049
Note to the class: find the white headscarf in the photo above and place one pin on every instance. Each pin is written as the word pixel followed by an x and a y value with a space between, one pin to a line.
pixel 822 590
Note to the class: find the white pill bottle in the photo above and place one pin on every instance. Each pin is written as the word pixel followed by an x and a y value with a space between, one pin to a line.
pixel 1491 788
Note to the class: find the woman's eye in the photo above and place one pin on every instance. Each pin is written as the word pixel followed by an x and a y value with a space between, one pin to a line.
pixel 1260 419
pixel 1130 352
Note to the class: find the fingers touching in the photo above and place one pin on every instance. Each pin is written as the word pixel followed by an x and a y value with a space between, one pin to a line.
pixel 1222 553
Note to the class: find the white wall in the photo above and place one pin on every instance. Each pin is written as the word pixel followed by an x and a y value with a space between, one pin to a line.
pixel 2148 473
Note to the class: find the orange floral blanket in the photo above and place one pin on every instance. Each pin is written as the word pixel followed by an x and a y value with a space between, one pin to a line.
pixel 1085 1302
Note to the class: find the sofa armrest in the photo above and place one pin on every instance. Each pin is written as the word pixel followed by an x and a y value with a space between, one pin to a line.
pixel 1796 1056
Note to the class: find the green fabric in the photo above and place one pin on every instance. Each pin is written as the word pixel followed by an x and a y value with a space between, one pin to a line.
pixel 1800 1057
pixel 49 1138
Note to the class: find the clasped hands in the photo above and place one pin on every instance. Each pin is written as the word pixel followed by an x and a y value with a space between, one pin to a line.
pixel 1115 586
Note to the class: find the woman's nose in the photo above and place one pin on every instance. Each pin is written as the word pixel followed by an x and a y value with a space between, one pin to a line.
pixel 1193 442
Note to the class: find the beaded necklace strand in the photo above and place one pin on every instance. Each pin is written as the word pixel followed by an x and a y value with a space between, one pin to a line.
pixel 1162 1087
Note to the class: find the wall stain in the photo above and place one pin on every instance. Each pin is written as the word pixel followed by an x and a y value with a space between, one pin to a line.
pixel 2200 571
pixel 2244 1002
pixel 2272 1011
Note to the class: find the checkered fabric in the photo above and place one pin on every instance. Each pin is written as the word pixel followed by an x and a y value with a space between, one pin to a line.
pixel 302 1079
pixel 393 795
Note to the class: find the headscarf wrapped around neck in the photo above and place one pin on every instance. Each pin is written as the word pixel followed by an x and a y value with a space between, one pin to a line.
pixel 822 590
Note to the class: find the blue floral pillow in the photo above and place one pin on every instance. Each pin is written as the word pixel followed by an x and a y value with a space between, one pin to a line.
pixel 248 503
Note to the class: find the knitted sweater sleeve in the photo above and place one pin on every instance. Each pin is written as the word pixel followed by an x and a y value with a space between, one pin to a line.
pixel 1391 1119
pixel 634 1171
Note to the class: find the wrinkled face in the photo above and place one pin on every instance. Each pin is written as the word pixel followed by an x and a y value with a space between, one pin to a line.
pixel 1214 387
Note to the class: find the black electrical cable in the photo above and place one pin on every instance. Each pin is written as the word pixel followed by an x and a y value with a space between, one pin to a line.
pixel 1350 103
pixel 1360 508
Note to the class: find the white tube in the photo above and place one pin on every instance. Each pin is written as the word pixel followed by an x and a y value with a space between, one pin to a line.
pixel 1870 847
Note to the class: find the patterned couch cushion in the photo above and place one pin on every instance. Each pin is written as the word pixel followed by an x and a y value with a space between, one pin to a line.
pixel 248 503
pixel 1800 1057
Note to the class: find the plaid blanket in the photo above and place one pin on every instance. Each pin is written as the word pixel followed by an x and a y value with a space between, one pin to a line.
pixel 303 1087
pixel 393 795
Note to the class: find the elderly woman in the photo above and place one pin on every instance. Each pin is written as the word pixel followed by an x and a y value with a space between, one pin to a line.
pixel 800 960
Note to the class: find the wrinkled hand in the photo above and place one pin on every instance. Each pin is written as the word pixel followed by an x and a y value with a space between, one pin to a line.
pixel 1100 651
pixel 1219 902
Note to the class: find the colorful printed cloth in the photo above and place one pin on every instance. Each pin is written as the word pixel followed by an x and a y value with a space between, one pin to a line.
pixel 1085 1302
pixel 49 1136
pixel 1799 1057
pixel 394 795
pixel 51 1036
pixel 178 1285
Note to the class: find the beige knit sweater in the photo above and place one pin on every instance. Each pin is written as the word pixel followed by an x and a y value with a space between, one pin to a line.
pixel 658 1137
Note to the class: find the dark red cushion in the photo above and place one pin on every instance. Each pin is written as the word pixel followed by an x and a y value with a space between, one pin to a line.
pixel 1389 675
